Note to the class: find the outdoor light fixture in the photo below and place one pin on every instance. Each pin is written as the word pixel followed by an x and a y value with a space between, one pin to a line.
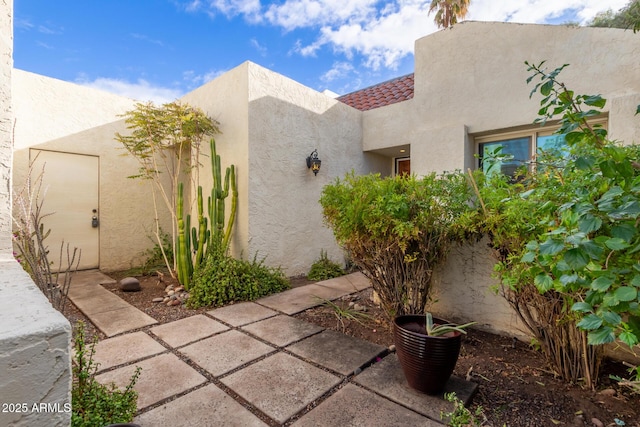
pixel 313 162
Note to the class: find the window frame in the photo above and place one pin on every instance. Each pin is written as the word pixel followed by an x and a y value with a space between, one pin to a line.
pixel 531 132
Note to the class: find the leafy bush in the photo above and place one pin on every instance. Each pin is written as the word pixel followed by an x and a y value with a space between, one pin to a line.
pixel 155 256
pixel 95 404
pixel 568 236
pixel 324 269
pixel 398 230
pixel 224 279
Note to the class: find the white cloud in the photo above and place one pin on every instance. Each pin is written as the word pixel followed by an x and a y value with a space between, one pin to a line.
pixel 539 11
pixel 141 90
pixel 262 50
pixel 294 14
pixel 338 71
pixel 146 39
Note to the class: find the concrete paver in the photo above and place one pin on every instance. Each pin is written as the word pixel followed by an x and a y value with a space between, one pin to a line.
pixel 108 312
pixel 281 385
pixel 225 352
pixel 337 351
pixel 161 377
pixel 187 330
pixel 358 280
pixel 387 379
pixel 343 285
pixel 125 349
pixel 206 406
pixel 282 330
pixel 352 406
pixel 242 313
pixel 125 319
pixel 299 299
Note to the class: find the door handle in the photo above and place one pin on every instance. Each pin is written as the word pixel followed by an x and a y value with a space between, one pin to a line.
pixel 94 219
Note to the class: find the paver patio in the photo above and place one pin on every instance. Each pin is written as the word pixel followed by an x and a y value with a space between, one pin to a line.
pixel 248 363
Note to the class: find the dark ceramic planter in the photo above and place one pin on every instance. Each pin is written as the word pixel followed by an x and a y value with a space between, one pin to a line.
pixel 427 362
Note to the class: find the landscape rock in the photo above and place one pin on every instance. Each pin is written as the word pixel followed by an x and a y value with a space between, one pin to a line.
pixel 596 422
pixel 130 284
pixel 159 299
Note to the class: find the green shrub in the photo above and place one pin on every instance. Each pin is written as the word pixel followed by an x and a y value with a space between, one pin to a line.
pixel 398 230
pixel 154 256
pixel 95 404
pixel 567 236
pixel 225 279
pixel 324 269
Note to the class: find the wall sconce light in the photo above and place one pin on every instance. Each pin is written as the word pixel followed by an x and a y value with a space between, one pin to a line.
pixel 313 162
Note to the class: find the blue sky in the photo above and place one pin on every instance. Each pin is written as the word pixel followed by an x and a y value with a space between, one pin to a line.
pixel 161 49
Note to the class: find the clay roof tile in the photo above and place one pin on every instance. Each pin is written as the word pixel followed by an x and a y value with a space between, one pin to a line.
pixel 386 93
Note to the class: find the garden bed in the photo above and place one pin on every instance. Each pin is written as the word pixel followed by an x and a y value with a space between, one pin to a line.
pixel 516 388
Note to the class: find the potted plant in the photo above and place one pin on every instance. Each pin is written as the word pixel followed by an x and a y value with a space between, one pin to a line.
pixel 427 349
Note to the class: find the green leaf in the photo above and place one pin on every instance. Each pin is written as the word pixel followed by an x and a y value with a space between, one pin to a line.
pixel 603 335
pixel 551 247
pixel 628 338
pixel 595 101
pixel 626 293
pixel 625 232
pixel 528 257
pixel 590 322
pixel 608 168
pixel 545 89
pixel 616 244
pixel 602 283
pixel 634 324
pixel 543 282
pixel 611 318
pixel 582 307
pixel 592 249
pixel 573 138
pixel 589 223
pixel 635 281
pixel 576 258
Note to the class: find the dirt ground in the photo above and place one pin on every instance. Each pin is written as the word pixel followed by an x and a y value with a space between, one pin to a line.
pixel 516 389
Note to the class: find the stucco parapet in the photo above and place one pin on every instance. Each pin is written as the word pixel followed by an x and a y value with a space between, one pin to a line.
pixel 29 312
pixel 35 342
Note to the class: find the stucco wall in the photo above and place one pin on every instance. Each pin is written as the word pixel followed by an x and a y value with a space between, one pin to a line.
pixel 48 108
pixel 287 121
pixel 270 124
pixel 6 124
pixel 474 75
pixel 464 290
pixel 125 205
pixel 61 116
pixel 35 364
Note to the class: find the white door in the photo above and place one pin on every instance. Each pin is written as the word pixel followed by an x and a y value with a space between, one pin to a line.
pixel 70 194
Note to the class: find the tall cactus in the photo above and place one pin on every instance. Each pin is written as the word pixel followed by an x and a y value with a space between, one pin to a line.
pixel 220 236
pixel 183 246
pixel 195 242
pixel 200 236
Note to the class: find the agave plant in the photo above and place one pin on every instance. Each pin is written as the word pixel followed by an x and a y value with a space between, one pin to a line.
pixel 439 330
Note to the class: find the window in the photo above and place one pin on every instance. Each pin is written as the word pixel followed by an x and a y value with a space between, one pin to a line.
pixel 520 147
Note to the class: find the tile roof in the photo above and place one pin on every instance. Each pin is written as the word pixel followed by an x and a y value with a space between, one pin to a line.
pixel 385 93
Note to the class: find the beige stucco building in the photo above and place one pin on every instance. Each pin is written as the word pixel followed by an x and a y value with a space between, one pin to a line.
pixel 468 89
